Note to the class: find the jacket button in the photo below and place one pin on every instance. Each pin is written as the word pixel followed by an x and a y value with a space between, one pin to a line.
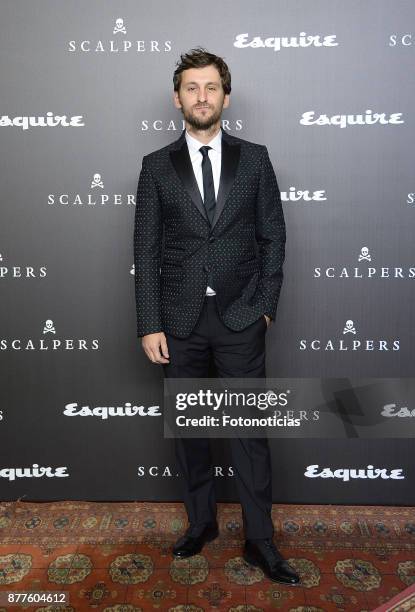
pixel 212 239
pixel 206 268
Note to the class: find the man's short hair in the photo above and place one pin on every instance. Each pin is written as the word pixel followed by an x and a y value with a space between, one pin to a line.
pixel 198 58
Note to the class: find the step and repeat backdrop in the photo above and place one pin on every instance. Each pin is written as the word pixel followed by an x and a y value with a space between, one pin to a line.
pixel 86 92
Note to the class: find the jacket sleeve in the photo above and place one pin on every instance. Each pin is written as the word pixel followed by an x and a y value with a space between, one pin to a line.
pixel 270 236
pixel 148 232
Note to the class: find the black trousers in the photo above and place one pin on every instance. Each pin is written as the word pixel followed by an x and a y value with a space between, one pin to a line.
pixel 235 354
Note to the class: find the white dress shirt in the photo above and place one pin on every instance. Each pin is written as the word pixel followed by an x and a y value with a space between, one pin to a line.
pixel 196 157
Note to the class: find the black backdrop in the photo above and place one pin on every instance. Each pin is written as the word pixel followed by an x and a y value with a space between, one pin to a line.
pixel 67 309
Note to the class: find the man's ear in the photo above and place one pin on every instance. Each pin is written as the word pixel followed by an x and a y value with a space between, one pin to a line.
pixel 176 100
pixel 226 100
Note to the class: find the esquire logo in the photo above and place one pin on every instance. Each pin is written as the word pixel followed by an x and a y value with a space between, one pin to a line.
pixel 303 195
pixel 392 410
pixel 97 196
pixel 49 341
pixel 8 270
pixel 120 42
pixel 242 41
pixel 348 474
pixel 166 471
pixel 366 268
pixel 343 121
pixel 48 120
pixel 104 412
pixel 35 471
pixel 349 342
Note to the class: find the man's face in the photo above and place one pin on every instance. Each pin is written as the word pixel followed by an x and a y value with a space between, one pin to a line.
pixel 201 97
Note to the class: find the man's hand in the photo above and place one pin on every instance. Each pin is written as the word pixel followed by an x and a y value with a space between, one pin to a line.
pixel 268 320
pixel 155 347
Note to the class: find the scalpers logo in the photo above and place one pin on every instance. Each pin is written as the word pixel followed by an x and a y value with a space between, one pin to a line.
pixel 366 269
pixel 344 121
pixel 9 271
pixel 49 342
pixel 48 120
pixel 411 198
pixel 119 43
pixel 392 410
pixel 104 412
pixel 172 125
pixel 304 195
pixel 35 471
pixel 97 196
pixel 242 41
pixel 347 474
pixel 166 471
pixel 401 40
pixel 351 343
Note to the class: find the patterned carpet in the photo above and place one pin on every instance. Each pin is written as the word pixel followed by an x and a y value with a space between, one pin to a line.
pixel 117 557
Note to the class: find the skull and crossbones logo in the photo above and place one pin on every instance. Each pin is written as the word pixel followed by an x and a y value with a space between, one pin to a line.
pixel 119 26
pixel 364 254
pixel 49 328
pixel 349 327
pixel 97 182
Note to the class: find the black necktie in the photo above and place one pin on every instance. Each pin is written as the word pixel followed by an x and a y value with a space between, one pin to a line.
pixel 208 185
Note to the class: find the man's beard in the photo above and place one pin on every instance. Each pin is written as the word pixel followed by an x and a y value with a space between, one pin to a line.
pixel 202 123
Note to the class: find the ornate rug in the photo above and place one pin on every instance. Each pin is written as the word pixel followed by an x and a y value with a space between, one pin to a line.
pixel 117 557
pixel 402 602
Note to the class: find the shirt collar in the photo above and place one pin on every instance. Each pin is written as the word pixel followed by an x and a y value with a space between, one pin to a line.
pixel 194 144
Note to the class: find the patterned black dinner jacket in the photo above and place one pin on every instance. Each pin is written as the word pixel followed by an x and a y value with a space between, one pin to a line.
pixel 177 252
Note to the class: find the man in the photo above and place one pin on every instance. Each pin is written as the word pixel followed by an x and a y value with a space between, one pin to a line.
pixel 213 291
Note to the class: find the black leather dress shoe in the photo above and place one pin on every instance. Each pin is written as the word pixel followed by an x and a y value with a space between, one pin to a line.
pixel 194 539
pixel 264 554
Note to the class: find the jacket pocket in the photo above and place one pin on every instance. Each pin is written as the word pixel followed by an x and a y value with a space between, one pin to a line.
pixel 248 267
pixel 172 271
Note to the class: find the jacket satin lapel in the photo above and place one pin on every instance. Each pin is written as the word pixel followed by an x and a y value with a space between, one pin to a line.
pixel 229 166
pixel 182 164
